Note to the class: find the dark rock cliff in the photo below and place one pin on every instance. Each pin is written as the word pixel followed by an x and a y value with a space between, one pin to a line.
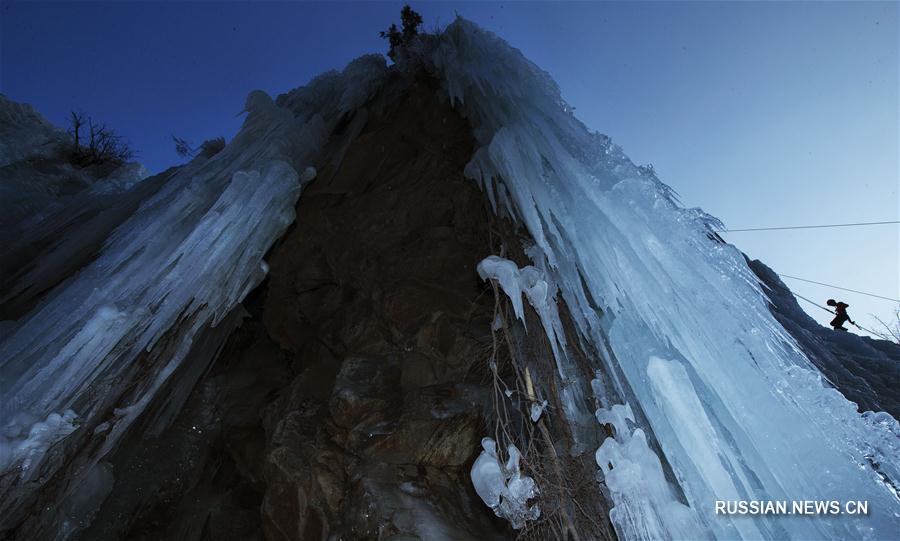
pixel 374 295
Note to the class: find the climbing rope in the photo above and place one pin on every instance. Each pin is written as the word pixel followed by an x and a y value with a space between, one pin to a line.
pixel 810 226
pixel 839 287
pixel 811 302
pixel 822 283
pixel 860 327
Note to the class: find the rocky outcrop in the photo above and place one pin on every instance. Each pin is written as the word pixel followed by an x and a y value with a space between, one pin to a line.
pixel 374 294
pixel 25 133
pixel 37 178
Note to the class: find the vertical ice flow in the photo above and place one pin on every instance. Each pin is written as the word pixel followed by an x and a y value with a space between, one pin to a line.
pixel 686 335
pixel 82 365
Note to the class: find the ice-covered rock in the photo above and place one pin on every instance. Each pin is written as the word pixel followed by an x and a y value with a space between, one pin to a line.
pixel 613 236
pixel 708 397
pixel 24 443
pixel 155 285
pixel 540 290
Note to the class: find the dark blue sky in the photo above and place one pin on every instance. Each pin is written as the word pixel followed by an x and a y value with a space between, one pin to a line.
pixel 763 113
pixel 152 69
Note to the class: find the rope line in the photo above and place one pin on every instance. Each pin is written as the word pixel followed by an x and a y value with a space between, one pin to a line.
pixel 812 302
pixel 839 287
pixel 809 226
pixel 831 312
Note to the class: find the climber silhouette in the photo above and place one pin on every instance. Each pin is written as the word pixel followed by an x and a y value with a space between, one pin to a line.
pixel 840 310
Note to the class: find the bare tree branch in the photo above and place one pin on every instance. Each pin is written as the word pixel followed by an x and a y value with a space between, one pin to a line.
pixel 104 145
pixel 891 331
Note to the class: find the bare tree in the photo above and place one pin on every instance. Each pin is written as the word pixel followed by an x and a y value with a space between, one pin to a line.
pixel 77 122
pixel 891 330
pixel 104 146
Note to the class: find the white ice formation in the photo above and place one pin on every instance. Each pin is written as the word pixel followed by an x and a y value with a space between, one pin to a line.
pixel 502 487
pixel 170 259
pixel 680 321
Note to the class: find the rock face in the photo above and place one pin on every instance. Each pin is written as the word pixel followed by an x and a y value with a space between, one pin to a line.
pixel 352 401
pixel 374 295
pixel 36 176
pixel 375 303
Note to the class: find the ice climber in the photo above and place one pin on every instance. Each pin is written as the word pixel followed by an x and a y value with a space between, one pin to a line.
pixel 840 310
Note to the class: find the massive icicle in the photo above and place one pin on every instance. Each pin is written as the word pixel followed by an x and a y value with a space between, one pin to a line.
pixel 735 406
pixel 81 366
pixel 646 505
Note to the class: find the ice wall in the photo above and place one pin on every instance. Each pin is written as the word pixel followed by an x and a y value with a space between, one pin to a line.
pixel 686 337
pixel 84 363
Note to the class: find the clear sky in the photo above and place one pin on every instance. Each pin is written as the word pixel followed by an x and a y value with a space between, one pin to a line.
pixel 762 113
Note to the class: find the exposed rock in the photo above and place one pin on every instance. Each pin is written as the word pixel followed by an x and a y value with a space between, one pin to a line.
pixel 25 133
pixel 374 294
pixel 364 391
pixel 37 178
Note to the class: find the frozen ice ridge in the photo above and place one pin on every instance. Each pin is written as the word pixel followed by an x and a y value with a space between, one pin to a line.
pixel 175 255
pixel 684 330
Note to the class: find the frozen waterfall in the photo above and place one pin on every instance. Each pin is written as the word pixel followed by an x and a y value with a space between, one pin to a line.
pixel 737 409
